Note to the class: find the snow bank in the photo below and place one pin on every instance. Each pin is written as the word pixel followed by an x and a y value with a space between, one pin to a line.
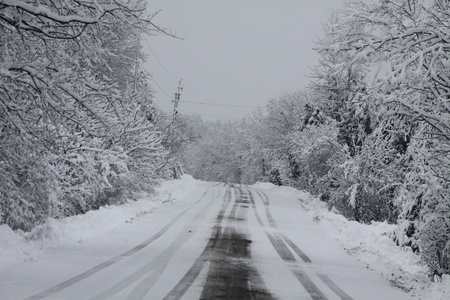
pixel 17 246
pixel 14 248
pixel 265 186
pixel 371 245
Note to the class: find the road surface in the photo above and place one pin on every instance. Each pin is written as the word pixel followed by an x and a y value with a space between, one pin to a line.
pixel 230 242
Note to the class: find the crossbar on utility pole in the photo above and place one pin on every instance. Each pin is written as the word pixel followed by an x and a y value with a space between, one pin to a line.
pixel 177 100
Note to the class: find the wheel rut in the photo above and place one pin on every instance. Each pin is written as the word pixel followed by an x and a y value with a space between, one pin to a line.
pixel 231 274
pixel 280 243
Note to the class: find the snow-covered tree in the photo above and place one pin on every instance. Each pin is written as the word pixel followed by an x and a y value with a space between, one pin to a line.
pixel 339 85
pixel 216 156
pixel 72 99
pixel 287 114
pixel 409 41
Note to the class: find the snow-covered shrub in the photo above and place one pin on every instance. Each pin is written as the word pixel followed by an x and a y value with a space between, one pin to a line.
pixel 280 174
pixel 80 183
pixel 363 186
pixel 434 239
pixel 112 165
pixel 26 187
pixel 314 150
pixel 425 203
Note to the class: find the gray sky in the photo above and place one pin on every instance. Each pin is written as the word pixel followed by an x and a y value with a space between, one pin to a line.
pixel 234 52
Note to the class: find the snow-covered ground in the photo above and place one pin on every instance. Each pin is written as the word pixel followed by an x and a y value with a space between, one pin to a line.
pixel 371 245
pixel 368 243
pixel 19 246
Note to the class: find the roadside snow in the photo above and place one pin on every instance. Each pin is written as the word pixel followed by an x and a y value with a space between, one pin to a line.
pixel 372 245
pixel 18 246
pixel 368 243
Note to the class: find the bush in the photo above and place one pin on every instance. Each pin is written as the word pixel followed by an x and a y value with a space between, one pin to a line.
pixel 27 191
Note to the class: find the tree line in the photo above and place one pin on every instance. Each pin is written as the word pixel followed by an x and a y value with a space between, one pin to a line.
pixel 79 125
pixel 369 136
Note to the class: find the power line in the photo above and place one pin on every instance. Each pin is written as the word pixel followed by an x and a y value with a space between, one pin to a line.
pixel 218 104
pixel 162 89
pixel 152 79
pixel 208 115
pixel 195 102
pixel 162 65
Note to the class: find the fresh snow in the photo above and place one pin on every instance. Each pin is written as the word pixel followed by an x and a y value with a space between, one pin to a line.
pixel 371 245
pixel 19 246
pixel 368 243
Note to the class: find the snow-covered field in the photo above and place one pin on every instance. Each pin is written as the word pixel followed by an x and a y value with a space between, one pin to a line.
pixel 368 243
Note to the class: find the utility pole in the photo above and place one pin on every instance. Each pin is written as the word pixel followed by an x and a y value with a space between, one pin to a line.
pixel 177 100
pixel 176 169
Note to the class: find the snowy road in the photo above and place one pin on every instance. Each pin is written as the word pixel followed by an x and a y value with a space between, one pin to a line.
pixel 225 243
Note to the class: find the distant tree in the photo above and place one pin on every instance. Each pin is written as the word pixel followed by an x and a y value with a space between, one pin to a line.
pixel 286 115
pixel 216 156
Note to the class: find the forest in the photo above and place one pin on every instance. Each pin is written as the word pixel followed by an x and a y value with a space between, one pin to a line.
pixel 369 136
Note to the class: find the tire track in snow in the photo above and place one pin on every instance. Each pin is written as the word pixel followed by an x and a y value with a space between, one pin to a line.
pixel 297 250
pixel 280 241
pixel 283 251
pixel 191 275
pixel 337 290
pixel 272 224
pixel 230 275
pixel 281 248
pixel 65 284
pixel 151 272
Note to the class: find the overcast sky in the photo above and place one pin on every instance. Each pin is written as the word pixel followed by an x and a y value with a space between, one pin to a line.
pixel 234 52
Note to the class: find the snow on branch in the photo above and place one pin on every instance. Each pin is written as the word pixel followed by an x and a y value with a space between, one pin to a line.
pixel 42 11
